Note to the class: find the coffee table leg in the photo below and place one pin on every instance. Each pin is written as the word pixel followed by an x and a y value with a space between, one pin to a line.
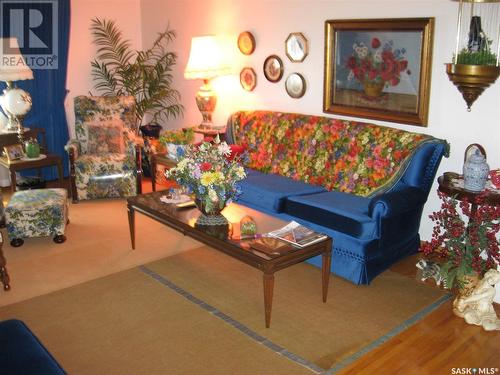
pixel 326 264
pixel 131 225
pixel 268 296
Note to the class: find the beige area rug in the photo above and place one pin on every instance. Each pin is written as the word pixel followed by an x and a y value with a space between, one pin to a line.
pixel 98 244
pixel 202 312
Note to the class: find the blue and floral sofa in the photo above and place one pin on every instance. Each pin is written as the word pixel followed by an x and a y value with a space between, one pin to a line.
pixel 362 184
pixel 105 157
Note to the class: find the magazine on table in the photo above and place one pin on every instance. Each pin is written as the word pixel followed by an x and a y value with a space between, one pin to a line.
pixel 297 234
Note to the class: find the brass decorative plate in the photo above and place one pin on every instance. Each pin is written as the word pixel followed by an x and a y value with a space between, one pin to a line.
pixel 246 43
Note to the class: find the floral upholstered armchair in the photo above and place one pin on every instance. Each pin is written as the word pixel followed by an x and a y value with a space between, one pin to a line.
pixel 105 157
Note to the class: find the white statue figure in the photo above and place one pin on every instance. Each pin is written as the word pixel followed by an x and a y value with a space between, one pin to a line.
pixel 478 307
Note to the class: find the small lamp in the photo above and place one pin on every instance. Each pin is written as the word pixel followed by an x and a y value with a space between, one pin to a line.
pixel 205 63
pixel 15 102
pixel 476 63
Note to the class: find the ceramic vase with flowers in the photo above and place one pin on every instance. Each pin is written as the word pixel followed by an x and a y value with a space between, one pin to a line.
pixel 377 66
pixel 211 172
pixel 466 239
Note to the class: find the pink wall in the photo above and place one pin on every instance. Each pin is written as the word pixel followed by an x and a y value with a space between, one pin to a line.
pixel 81 50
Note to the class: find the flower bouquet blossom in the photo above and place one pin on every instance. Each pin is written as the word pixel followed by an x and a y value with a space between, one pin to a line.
pixel 175 141
pixel 377 66
pixel 210 171
pixel 468 246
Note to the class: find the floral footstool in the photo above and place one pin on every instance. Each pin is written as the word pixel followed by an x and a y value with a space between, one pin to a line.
pixel 37 213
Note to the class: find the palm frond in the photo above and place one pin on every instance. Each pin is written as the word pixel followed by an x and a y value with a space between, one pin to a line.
pixel 120 70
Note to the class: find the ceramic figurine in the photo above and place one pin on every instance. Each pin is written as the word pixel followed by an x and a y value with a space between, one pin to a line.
pixel 430 270
pixel 477 308
pixel 475 171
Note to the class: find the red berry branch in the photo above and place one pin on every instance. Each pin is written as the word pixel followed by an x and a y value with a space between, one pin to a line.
pixel 467 241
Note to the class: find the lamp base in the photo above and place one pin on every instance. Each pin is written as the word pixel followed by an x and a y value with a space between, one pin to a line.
pixel 206 100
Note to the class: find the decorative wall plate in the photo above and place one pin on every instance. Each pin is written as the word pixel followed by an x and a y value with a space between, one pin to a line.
pixel 273 68
pixel 248 78
pixel 295 85
pixel 246 43
pixel 296 47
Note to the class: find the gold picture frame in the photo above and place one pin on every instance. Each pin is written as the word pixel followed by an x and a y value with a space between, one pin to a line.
pixel 273 68
pixel 248 78
pixel 379 69
pixel 246 43
pixel 296 47
pixel 295 85
pixel 14 152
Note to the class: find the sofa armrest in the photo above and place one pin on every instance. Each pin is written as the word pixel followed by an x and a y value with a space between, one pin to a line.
pixel 398 215
pixel 397 202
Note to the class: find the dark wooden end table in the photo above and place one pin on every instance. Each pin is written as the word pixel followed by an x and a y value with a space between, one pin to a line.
pixel 159 159
pixel 17 165
pixel 219 238
pixel 453 187
pixel 211 133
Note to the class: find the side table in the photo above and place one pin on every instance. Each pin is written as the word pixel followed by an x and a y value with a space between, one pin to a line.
pixel 209 133
pixel 159 159
pixel 17 165
pixel 453 187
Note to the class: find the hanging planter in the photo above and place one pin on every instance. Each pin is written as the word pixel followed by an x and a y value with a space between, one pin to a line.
pixel 475 66
pixel 472 80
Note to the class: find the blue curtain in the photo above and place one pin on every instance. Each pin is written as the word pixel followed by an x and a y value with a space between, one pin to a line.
pixel 48 90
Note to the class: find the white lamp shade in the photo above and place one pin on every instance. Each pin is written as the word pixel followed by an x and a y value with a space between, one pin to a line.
pixel 13 66
pixel 205 59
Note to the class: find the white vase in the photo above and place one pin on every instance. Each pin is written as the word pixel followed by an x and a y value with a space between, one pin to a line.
pixel 475 172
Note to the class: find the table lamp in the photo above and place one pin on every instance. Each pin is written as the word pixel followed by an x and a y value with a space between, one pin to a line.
pixel 16 103
pixel 205 63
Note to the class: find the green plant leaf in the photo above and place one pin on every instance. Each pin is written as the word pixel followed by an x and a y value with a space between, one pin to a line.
pixel 146 75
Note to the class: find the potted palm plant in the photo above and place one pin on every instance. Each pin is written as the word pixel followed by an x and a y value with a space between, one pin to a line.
pixel 118 69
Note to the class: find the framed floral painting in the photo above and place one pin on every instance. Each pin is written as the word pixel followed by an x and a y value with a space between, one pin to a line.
pixel 379 69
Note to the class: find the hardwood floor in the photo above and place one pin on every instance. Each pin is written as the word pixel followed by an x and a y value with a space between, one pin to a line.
pixel 441 343
pixel 438 344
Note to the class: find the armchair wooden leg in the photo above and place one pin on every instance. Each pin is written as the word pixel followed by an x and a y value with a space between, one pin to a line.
pixel 72 176
pixel 138 164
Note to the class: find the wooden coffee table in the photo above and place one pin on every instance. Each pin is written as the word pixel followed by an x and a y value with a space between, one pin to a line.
pixel 219 238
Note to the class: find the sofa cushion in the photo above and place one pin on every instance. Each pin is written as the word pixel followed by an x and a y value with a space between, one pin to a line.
pixel 270 191
pixel 342 212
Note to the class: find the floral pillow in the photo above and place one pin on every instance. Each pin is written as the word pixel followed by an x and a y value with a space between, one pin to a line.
pixel 105 137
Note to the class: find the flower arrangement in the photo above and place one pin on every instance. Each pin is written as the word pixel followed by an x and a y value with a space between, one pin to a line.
pixel 467 246
pixel 175 141
pixel 210 171
pixel 380 64
pixel 178 136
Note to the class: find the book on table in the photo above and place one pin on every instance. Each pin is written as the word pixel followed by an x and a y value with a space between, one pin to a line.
pixel 297 234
